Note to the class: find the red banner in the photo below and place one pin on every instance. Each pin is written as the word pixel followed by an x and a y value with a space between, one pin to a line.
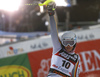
pixel 90 58
pixel 40 62
pixel 88 51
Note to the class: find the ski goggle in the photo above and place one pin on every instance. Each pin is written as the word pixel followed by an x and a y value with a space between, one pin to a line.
pixel 68 42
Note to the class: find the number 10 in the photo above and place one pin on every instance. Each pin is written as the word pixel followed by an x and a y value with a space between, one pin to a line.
pixel 65 64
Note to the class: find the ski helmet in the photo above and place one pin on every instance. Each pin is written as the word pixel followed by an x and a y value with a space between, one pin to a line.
pixel 68 38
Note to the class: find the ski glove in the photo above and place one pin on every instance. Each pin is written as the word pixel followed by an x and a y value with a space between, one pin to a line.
pixel 51 8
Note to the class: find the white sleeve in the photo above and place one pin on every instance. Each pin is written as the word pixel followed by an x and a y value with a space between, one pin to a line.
pixel 54 35
pixel 76 70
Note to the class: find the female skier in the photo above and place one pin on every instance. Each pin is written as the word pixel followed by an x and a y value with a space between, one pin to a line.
pixel 64 62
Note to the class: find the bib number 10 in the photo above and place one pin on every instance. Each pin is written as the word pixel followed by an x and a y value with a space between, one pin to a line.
pixel 65 64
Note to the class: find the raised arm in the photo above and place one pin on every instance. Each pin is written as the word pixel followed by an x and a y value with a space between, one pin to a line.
pixel 54 35
pixel 53 28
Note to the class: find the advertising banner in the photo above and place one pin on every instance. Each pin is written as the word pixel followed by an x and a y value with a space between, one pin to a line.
pixel 16 66
pixel 40 62
pixel 45 42
pixel 25 47
pixel 89 53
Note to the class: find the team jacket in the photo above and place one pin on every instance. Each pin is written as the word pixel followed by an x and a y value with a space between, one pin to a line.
pixel 63 64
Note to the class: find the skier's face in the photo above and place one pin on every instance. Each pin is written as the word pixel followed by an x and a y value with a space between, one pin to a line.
pixel 69 48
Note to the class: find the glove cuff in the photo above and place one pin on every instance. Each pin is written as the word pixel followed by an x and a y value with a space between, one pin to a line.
pixel 51 13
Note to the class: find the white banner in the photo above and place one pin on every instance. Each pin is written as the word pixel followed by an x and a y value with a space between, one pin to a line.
pixel 43 43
